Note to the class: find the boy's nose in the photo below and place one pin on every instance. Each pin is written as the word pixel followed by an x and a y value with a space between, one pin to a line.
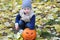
pixel 27 11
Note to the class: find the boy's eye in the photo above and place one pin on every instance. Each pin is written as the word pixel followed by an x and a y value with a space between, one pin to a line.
pixel 26 8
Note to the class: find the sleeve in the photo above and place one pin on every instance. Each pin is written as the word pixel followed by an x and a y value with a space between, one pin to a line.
pixel 17 19
pixel 31 24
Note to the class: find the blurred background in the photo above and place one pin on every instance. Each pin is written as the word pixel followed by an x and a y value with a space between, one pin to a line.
pixel 47 18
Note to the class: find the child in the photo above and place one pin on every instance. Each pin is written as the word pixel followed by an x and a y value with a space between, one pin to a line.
pixel 26 16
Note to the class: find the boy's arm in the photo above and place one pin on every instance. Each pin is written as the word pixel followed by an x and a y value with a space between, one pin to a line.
pixel 17 20
pixel 31 24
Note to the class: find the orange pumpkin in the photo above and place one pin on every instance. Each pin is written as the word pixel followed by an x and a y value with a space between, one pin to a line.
pixel 29 34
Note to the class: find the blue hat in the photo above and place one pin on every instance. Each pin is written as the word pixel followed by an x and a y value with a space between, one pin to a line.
pixel 26 3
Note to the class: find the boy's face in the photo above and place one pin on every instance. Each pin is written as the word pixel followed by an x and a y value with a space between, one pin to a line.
pixel 27 10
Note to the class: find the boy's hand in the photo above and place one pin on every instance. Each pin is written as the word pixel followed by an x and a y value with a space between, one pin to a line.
pixel 16 27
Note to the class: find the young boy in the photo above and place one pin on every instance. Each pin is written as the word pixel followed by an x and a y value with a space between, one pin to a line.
pixel 26 16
